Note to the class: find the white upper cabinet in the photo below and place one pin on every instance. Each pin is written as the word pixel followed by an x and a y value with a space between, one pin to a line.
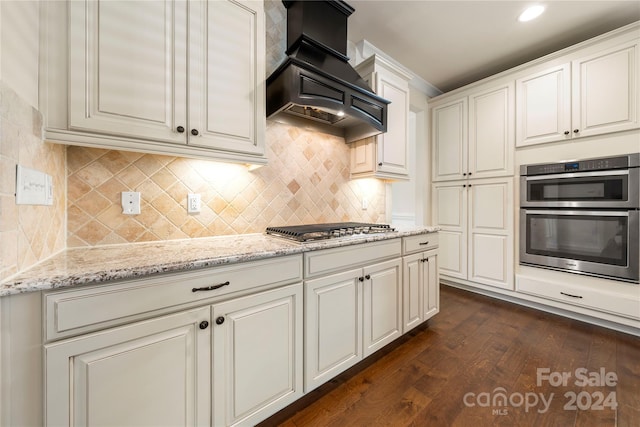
pixel 590 95
pixel 161 76
pixel 473 135
pixel 128 68
pixel 606 96
pixel 544 106
pixel 384 155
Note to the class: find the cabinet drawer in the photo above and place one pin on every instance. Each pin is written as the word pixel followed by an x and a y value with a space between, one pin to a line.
pixel 75 311
pixel 330 261
pixel 620 303
pixel 419 243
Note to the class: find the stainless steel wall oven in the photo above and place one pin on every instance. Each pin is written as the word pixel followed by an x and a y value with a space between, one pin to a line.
pixel 582 216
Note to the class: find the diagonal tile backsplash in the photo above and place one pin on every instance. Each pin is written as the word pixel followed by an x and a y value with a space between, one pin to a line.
pixel 306 180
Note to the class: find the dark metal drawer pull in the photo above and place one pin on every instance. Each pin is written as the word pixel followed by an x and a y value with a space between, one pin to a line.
pixel 424 243
pixel 211 288
pixel 569 295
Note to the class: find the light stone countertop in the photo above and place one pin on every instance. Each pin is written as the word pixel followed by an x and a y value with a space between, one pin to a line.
pixel 81 266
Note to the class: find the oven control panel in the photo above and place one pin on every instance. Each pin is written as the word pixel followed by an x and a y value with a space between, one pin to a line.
pixel 621 162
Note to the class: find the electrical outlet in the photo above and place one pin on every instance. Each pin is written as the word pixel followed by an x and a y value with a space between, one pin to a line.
pixel 130 202
pixel 193 203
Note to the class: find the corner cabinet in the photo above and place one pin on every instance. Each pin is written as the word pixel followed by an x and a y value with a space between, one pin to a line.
pixel 167 77
pixel 472 136
pixel 589 95
pixel 385 155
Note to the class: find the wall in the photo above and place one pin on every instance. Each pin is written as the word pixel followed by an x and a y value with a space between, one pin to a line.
pixel 28 234
pixel 306 180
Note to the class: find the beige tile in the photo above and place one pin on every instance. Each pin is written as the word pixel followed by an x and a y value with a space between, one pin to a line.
pixel 112 190
pixel 76 188
pixel 112 217
pixel 130 230
pixel 94 174
pixel 77 158
pixel 132 177
pixel 92 232
pixel 76 218
pixel 114 161
pixel 93 203
pixel 148 164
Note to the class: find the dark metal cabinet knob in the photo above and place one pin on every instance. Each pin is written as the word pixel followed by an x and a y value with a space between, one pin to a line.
pixel 380 164
pixel 194 132
pixel 219 320
pixel 361 279
pixel 204 324
pixel 464 174
pixel 576 130
pixel 180 129
pixel 368 276
pixel 469 173
pixel 566 132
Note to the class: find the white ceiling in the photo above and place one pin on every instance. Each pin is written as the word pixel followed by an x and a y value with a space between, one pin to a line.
pixel 452 43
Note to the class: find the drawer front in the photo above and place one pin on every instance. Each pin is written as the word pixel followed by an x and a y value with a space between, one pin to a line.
pixel 75 311
pixel 627 305
pixel 419 243
pixel 329 261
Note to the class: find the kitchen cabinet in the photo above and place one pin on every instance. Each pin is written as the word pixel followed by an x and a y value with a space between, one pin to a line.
pixel 472 135
pixel 385 155
pixel 421 285
pixel 588 95
pixel 257 355
pixel 155 372
pixel 350 314
pixel 476 240
pixel 162 76
pixel 229 349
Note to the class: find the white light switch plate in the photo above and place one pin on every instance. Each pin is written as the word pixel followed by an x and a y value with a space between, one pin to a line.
pixel 33 187
pixel 130 202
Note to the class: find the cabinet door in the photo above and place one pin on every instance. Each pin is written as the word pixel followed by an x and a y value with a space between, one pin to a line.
pixel 392 145
pixel 491 133
pixel 363 156
pixel 431 286
pixel 333 339
pixel 450 212
pixel 128 68
pixel 543 105
pixel 382 309
pixel 491 251
pixel 226 75
pixel 257 355
pixel 155 372
pixel 412 291
pixel 605 91
pixel 449 136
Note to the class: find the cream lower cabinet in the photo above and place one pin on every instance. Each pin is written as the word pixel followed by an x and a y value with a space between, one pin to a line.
pixel 257 355
pixel 476 240
pixel 351 314
pixel 159 372
pixel 154 372
pixel 421 284
pixel 231 356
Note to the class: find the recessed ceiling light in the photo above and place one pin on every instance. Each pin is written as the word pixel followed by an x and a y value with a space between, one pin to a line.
pixel 531 13
pixel 340 113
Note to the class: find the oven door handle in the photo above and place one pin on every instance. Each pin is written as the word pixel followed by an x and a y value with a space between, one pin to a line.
pixel 583 212
pixel 578 175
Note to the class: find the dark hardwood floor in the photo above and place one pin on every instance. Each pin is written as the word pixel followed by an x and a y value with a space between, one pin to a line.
pixel 476 351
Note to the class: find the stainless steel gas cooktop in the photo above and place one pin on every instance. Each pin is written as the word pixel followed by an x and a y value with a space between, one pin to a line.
pixel 312 232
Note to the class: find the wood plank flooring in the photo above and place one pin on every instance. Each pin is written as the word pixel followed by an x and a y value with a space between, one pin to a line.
pixel 476 350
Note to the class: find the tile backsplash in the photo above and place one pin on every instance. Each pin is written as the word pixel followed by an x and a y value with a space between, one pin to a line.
pixel 306 180
pixel 28 233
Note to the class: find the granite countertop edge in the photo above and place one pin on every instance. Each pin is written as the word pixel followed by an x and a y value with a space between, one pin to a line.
pixel 101 264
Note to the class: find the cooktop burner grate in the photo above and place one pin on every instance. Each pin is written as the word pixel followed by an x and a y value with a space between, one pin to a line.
pixel 311 232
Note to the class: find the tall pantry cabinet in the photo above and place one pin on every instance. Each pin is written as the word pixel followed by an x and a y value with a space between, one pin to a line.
pixel 472 149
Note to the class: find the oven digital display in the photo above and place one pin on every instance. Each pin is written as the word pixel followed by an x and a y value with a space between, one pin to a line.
pixel 568 167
